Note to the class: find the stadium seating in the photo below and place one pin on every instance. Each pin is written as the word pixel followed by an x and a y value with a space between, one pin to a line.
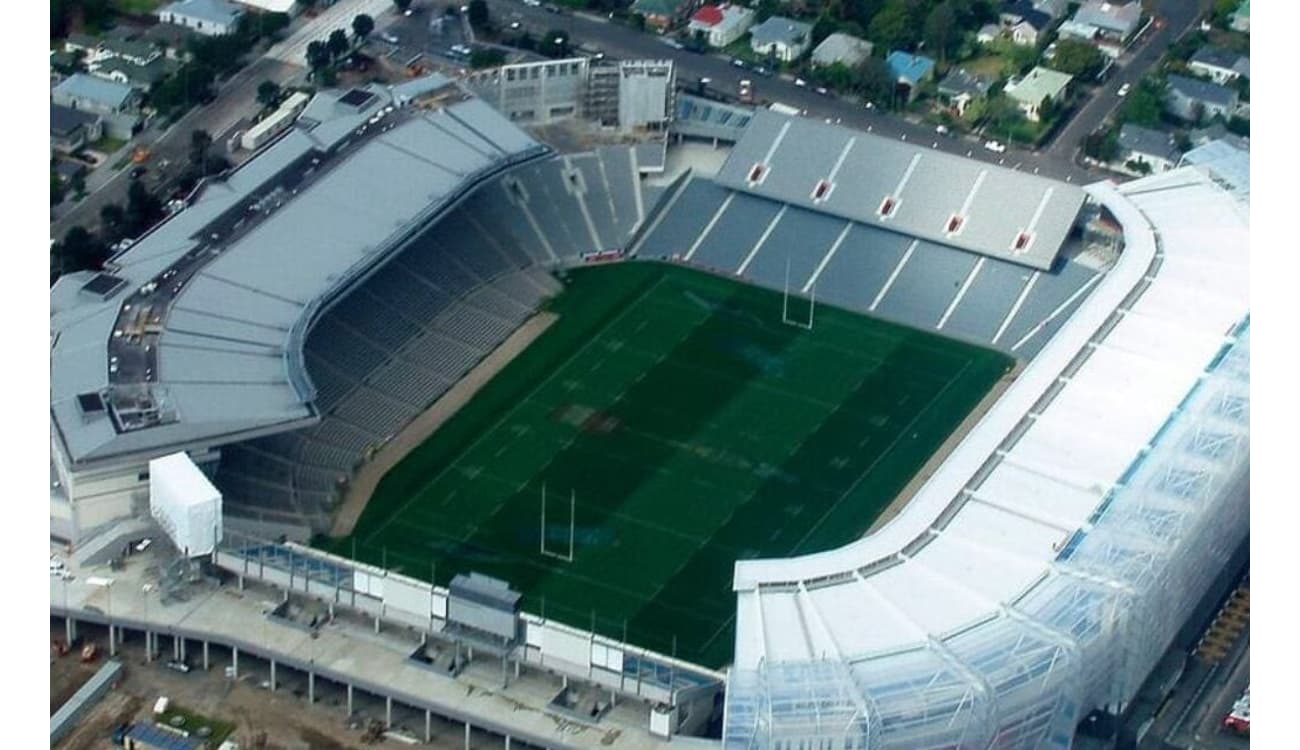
pixel 398 340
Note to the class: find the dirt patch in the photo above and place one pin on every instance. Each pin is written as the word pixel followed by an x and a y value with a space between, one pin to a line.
pixel 414 434
pixel 941 455
pixel 94 730
pixel 67 675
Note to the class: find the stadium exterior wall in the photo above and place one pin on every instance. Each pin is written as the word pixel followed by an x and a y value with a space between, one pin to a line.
pixel 1083 635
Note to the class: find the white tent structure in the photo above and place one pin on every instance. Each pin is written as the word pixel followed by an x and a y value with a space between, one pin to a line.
pixel 185 503
pixel 1048 563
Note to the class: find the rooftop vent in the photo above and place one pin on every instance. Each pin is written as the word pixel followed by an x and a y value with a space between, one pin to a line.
pixel 1023 241
pixel 887 207
pixel 955 223
pixel 90 403
pixel 104 285
pixel 356 98
pixel 822 190
pixel 757 173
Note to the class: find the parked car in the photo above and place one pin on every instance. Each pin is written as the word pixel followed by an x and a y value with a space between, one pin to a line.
pixel 764 71
pixel 995 146
pixel 390 38
pixel 800 82
pixel 822 90
pixel 1123 90
pixel 941 129
pixel 737 62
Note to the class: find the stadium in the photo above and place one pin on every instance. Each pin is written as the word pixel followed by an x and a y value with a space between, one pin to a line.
pixel 854 444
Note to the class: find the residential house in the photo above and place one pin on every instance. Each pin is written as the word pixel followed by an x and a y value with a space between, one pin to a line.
pixel 1220 65
pixel 209 17
pixel 1240 20
pixel 662 15
pixel 722 24
pixel 172 39
pixel 1194 100
pixel 1155 148
pixel 1217 132
pixel 137 51
pixel 70 129
pixel 783 38
pixel 81 43
pixel 1023 23
pixel 142 77
pixel 988 33
pixel 1054 8
pixel 841 48
pixel 1038 86
pixel 959 89
pixel 290 7
pixel 1109 26
pixel 909 72
pixel 117 103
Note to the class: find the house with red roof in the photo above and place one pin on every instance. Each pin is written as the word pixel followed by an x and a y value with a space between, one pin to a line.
pixel 722 24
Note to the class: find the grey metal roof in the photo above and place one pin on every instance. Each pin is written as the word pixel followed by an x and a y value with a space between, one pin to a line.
pixel 704 118
pixel 1217 57
pixel 841 48
pixel 780 30
pixel 958 82
pixel 1194 88
pixel 1118 17
pixel 1226 160
pixel 225 290
pixel 100 90
pixel 64 120
pixel 997 207
pixel 1135 138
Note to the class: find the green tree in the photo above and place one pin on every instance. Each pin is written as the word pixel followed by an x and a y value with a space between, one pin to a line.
pixel 824 27
pixel 318 56
pixel 940 32
pixel 1102 145
pixel 873 80
pixel 638 21
pixel 56 189
pixel 402 5
pixel 893 27
pixel 479 16
pixel 1144 104
pixel 337 44
pixel 486 58
pixel 268 94
pixel 79 251
pixel 362 25
pixel 112 221
pixel 1079 59
pixel 200 143
pixel 143 209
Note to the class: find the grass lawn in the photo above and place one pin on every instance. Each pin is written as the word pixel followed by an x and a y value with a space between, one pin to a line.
pixel 177 717
pixel 107 145
pixel 690 428
pixel 991 67
pixel 137 7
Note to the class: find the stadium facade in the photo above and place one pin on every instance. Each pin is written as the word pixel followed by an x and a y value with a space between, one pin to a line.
pixel 1037 574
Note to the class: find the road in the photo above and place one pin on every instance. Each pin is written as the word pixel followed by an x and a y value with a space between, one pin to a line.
pixel 236 99
pixel 1176 17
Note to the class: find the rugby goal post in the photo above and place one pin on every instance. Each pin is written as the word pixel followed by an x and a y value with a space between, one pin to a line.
pixel 573 508
pixel 785 303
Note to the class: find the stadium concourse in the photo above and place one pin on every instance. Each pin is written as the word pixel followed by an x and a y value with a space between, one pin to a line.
pixel 304 308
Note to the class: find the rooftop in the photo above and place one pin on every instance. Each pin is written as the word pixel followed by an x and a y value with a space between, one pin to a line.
pixel 909 189
pixel 908 67
pixel 1037 85
pixel 1219 57
pixel 205 346
pixel 1146 141
pixel 1121 18
pixel 65 120
pixel 1195 88
pixel 780 30
pixel 842 48
pixel 958 82
pixel 218 12
pixel 92 88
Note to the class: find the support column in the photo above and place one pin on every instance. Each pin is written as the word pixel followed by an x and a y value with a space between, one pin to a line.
pixel 349 700
pixel 428 727
pixel 112 640
pixel 273 675
pixel 69 630
pixel 176 647
pixel 507 742
pixel 376 623
pixel 241 583
pixel 388 712
pixel 205 656
pixel 184 655
pixel 311 687
pixel 234 661
pixel 467 735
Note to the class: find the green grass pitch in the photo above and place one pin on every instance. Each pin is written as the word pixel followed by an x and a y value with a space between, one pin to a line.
pixel 694 428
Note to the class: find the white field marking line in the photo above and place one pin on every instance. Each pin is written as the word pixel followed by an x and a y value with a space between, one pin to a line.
pixel 889 282
pixel 634 304
pixel 1006 322
pixel 1038 212
pixel 970 197
pixel 717 216
pixel 840 161
pixel 970 279
pixel 767 158
pixel 879 457
pixel 596 243
pixel 826 259
pixel 771 226
pixel 1059 309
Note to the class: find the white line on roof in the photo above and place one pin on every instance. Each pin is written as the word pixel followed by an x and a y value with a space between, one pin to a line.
pixel 766 232
pixel 776 142
pixel 970 197
pixel 1059 309
pixel 840 161
pixel 1016 307
pixel 907 175
pixel 1042 205
pixel 897 270
pixel 827 258
pixel 709 227
pixel 970 279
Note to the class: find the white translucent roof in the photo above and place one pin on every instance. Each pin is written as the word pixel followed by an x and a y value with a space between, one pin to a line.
pixel 933 570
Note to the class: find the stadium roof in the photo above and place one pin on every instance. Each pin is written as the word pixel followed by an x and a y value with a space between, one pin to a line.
pixel 1068 443
pixel 204 346
pixel 909 189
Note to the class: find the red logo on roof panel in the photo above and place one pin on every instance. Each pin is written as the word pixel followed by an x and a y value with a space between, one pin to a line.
pixel 709 14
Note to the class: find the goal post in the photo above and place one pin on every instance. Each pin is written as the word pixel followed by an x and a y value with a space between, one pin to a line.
pixel 785 303
pixel 573 514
